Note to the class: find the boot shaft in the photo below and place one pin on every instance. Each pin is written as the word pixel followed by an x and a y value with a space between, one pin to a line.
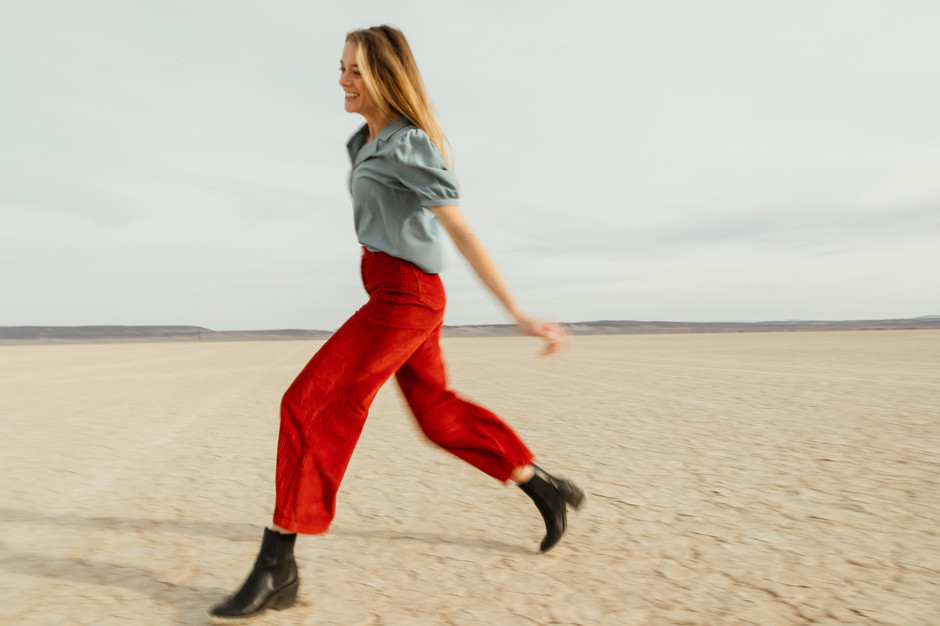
pixel 277 550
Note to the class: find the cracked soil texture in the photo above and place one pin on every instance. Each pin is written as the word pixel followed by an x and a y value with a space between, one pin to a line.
pixel 765 478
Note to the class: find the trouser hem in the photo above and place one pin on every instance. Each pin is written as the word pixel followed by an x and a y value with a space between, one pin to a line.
pixel 303 528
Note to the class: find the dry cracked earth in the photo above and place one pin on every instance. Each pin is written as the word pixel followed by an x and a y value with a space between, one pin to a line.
pixel 765 478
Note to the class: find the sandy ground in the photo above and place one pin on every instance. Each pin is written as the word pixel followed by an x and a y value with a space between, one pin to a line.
pixel 766 478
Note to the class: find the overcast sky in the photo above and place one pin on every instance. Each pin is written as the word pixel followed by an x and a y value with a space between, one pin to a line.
pixel 183 162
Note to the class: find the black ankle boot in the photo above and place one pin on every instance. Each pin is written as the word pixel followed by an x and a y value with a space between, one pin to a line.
pixel 551 495
pixel 272 584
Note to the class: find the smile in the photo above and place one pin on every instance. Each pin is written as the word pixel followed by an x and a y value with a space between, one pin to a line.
pixel 351 96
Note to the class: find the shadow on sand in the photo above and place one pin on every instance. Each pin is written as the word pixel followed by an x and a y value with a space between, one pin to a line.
pixel 191 601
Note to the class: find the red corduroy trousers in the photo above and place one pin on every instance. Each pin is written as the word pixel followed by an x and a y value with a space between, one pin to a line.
pixel 323 411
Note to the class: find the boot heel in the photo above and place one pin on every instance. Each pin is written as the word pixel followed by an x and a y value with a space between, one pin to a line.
pixel 572 494
pixel 286 597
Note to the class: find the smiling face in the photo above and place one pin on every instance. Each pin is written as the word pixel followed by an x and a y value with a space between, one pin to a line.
pixel 358 99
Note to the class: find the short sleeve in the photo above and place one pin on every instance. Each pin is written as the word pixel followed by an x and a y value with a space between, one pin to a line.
pixel 418 166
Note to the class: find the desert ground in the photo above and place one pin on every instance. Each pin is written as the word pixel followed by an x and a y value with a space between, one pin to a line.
pixel 739 478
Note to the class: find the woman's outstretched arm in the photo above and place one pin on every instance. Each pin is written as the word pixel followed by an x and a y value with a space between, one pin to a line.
pixel 470 247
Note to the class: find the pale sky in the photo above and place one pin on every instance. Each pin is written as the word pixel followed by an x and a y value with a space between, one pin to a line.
pixel 180 162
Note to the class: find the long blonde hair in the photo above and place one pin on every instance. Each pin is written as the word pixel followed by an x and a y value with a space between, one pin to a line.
pixel 391 76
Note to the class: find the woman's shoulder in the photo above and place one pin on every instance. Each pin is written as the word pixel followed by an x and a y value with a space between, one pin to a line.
pixel 410 144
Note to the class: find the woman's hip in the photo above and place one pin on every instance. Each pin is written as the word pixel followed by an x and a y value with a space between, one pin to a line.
pixel 390 278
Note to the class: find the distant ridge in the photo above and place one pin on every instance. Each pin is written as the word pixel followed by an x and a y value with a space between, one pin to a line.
pixel 118 334
pixel 124 334
pixel 632 327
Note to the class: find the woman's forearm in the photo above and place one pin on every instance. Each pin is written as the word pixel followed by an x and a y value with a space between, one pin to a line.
pixel 472 250
pixel 470 247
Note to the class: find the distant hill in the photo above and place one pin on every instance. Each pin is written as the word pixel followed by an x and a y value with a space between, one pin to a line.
pixel 120 334
pixel 116 334
pixel 630 327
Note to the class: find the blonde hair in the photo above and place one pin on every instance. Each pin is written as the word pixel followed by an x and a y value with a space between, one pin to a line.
pixel 391 76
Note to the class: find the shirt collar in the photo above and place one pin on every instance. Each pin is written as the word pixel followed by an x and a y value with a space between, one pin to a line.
pixel 392 128
pixel 359 146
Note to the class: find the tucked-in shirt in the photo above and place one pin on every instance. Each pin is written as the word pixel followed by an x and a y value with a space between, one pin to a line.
pixel 393 180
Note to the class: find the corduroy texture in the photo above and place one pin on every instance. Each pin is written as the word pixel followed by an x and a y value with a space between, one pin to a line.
pixel 324 410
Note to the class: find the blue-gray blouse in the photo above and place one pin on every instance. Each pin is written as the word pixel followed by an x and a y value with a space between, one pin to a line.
pixel 394 178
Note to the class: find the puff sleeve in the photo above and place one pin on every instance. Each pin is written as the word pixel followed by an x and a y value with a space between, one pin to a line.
pixel 418 167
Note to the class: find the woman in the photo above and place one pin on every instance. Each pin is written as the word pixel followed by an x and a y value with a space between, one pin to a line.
pixel 403 194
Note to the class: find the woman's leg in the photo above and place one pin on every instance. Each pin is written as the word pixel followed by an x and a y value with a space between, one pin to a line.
pixel 479 437
pixel 322 415
pixel 324 410
pixel 463 428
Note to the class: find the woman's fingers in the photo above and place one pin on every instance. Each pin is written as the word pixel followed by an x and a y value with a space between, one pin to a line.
pixel 554 333
pixel 557 337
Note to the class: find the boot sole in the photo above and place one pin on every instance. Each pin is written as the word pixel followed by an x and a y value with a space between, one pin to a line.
pixel 279 600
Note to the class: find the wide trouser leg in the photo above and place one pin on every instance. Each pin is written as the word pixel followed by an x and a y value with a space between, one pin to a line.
pixel 324 410
pixel 463 428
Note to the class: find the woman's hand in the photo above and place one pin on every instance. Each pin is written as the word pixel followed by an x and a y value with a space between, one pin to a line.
pixel 554 333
